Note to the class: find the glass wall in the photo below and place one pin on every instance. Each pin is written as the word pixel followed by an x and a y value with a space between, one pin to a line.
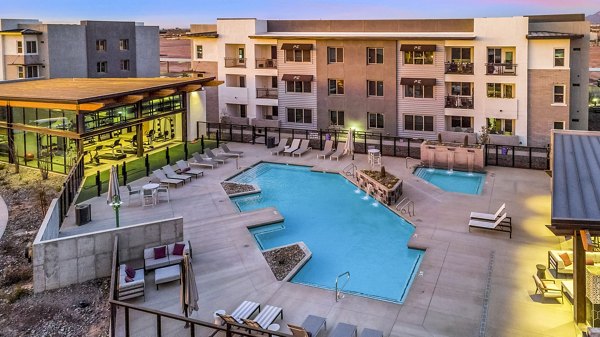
pixel 106 118
pixel 45 118
pixel 37 150
pixel 4 145
pixel 161 105
pixel 3 113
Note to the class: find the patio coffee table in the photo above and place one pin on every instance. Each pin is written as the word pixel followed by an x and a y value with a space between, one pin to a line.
pixel 166 274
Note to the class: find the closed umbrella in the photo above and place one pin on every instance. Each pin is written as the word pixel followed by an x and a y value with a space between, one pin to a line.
pixel 189 290
pixel 113 197
pixel 349 146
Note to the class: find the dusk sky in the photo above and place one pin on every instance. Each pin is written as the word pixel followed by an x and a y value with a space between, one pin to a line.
pixel 180 13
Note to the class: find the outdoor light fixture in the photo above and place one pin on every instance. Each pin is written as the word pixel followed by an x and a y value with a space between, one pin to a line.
pixel 116 204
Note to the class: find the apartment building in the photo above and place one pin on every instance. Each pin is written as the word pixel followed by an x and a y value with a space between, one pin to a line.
pixel 95 49
pixel 518 76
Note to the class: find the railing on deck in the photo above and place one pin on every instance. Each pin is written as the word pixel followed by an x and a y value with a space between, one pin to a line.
pixel 70 187
pixel 527 157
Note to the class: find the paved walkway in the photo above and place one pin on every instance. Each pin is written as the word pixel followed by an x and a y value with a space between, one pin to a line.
pixel 3 216
pixel 447 298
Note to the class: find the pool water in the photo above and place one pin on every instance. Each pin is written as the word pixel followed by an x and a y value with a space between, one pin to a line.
pixel 453 181
pixel 344 229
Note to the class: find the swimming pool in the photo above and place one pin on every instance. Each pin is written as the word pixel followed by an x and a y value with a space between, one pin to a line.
pixel 344 229
pixel 453 181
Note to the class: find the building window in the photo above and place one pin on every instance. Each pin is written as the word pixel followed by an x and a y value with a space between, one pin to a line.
pixel 374 88
pixel 461 89
pixel 28 71
pixel 243 113
pixel 125 65
pixel 336 118
pixel 375 120
pixel 461 122
pixel 199 52
pixel 500 90
pixel 298 86
pixel 501 126
pixel 460 55
pixel 559 57
pixel 242 81
pixel 558 125
pixel 19 47
pixel 124 44
pixel 559 94
pixel 299 115
pixel 418 123
pixel 374 55
pixel 418 57
pixel 418 91
pixel 297 55
pixel 335 55
pixel 101 45
pixel 31 47
pixel 336 87
pixel 101 67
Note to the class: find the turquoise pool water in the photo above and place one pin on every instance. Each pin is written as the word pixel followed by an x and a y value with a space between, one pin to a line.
pixel 453 181
pixel 345 230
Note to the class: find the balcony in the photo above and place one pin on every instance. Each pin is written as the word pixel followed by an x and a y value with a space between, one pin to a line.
pixel 462 68
pixel 459 102
pixel 501 69
pixel 266 93
pixel 234 62
pixel 24 60
pixel 266 63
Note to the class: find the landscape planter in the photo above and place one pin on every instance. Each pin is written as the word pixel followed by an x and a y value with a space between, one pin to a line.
pixel 387 195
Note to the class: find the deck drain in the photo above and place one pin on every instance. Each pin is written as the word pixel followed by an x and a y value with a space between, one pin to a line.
pixel 246 245
pixel 486 296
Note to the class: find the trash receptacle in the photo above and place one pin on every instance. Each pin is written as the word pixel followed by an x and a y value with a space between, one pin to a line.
pixel 83 214
pixel 270 142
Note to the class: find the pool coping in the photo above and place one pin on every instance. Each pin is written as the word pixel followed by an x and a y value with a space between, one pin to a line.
pixel 481 188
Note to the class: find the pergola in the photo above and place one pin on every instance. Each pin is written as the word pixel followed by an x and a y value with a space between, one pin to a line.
pixel 575 164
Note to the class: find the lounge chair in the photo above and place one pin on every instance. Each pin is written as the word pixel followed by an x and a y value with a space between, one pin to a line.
pixel 295 146
pixel 548 290
pixel 164 180
pixel 502 224
pixel 184 167
pixel 327 150
pixel 488 216
pixel 228 152
pixel 343 330
pixel 133 191
pixel 339 152
pixel 216 157
pixel 264 318
pixel 371 333
pixel 200 161
pixel 280 147
pixel 171 174
pixel 311 327
pixel 304 147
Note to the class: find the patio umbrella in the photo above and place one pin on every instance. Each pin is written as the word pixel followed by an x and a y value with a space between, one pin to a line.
pixel 189 290
pixel 349 146
pixel 113 197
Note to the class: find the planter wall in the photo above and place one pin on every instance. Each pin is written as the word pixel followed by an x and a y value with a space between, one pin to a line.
pixel 460 158
pixel 388 196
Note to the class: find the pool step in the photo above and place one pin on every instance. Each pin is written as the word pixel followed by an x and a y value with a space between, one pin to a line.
pixel 250 175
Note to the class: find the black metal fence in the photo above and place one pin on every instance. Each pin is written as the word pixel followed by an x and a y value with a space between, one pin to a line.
pixel 70 188
pixel 537 158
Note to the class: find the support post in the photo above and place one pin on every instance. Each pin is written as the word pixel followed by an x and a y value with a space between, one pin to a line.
pixel 98 183
pixel 394 146
pixel 202 143
pixel 147 164
pixel 124 173
pixel 253 134
pixel 513 156
pixel 321 139
pixel 578 277
pixel 185 151
pixel 167 156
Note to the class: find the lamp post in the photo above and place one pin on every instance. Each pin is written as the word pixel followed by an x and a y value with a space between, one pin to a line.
pixel 116 204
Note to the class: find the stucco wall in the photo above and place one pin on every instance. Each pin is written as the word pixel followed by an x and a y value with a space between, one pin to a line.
pixel 147 54
pixel 112 32
pixel 64 261
pixel 66 51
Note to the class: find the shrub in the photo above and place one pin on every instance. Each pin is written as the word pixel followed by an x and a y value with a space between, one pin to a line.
pixel 16 294
pixel 17 275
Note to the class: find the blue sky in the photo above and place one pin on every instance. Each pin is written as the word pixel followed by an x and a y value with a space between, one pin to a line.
pixel 180 13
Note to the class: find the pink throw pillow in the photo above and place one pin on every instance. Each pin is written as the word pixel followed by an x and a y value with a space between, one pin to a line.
pixel 128 279
pixel 130 271
pixel 178 249
pixel 160 252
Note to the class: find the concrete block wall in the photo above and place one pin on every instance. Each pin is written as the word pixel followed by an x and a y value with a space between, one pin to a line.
pixel 64 261
pixel 51 224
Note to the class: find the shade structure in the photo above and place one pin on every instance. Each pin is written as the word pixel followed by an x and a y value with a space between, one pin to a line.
pixel 189 290
pixel 349 146
pixel 113 186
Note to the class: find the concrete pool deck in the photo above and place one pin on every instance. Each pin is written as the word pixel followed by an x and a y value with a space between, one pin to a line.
pixel 447 299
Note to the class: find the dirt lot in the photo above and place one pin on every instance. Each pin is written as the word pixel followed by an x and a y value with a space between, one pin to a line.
pixel 175 48
pixel 80 310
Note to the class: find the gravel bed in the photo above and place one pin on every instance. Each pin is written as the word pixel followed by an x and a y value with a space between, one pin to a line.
pixel 283 260
pixel 234 188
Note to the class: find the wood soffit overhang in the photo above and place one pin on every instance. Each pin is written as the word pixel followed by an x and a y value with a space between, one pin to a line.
pixel 362 38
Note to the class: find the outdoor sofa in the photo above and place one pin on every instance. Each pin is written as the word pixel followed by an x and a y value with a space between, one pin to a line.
pixel 556 262
pixel 150 262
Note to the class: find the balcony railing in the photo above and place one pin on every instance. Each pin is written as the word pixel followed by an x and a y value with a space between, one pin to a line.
pixel 501 69
pixel 266 63
pixel 459 102
pixel 459 68
pixel 234 62
pixel 266 92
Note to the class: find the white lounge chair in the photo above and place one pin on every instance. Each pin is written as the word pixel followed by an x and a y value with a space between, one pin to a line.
pixel 230 153
pixel 184 167
pixel 264 318
pixel 327 150
pixel 503 224
pixel 164 180
pixel 218 158
pixel 295 146
pixel 171 174
pixel 488 216
pixel 304 147
pixel 280 147
pixel 200 161
pixel 243 311
pixel 339 153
